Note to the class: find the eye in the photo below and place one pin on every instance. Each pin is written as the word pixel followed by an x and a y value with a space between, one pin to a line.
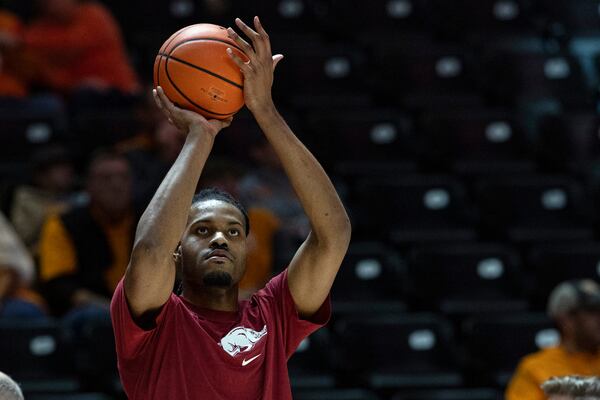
pixel 234 232
pixel 202 230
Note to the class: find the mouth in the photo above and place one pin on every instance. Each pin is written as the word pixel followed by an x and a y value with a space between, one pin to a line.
pixel 219 256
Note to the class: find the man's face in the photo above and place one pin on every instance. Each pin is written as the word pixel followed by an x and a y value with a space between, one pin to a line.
pixel 586 333
pixel 109 185
pixel 213 246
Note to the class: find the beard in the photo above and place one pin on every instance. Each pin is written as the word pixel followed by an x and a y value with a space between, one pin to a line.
pixel 217 279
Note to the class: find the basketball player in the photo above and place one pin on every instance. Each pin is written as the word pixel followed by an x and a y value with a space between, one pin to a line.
pixel 205 344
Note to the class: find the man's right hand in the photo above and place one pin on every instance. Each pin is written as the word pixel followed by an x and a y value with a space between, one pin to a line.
pixel 185 120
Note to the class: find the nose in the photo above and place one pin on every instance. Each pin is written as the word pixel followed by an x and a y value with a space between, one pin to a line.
pixel 218 240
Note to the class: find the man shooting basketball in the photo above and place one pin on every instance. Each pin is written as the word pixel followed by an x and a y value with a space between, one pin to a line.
pixel 205 344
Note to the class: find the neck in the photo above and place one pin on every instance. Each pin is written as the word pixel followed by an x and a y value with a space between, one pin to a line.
pixel 218 299
pixel 573 347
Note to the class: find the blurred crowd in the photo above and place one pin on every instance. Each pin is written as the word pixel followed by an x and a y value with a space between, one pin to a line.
pixel 67 229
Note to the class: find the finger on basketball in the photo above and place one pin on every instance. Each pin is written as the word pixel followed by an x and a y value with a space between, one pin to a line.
pixel 245 46
pixel 156 99
pixel 238 61
pixel 253 35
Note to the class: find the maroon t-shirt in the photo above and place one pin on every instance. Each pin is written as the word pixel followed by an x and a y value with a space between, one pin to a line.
pixel 196 353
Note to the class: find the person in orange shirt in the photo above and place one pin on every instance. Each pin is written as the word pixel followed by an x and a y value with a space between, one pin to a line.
pixel 572 388
pixel 78 45
pixel 575 306
pixel 84 252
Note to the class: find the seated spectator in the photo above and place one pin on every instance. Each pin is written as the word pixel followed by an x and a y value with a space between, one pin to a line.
pixel 51 192
pixel 151 161
pixel 9 389
pixel 575 307
pixel 572 388
pixel 84 252
pixel 79 46
pixel 12 83
pixel 267 187
pixel 17 300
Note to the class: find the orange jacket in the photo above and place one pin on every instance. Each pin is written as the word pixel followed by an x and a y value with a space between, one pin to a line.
pixel 89 48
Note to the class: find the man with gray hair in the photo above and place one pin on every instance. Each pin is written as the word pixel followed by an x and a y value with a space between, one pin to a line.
pixel 572 388
pixel 9 389
pixel 575 308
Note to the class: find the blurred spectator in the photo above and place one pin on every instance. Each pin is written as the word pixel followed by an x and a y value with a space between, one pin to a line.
pixel 225 175
pixel 79 46
pixel 575 307
pixel 84 252
pixel 9 389
pixel 17 300
pixel 151 161
pixel 267 187
pixel 13 83
pixel 50 192
pixel 572 388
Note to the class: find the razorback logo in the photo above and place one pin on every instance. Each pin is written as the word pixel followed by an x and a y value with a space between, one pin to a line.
pixel 241 340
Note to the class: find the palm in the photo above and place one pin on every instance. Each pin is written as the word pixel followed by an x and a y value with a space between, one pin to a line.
pixel 183 119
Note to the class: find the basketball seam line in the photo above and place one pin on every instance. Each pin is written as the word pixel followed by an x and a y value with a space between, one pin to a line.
pixel 203 70
pixel 167 44
pixel 185 97
pixel 207 39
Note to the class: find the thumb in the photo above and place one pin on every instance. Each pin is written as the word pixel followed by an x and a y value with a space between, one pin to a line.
pixel 276 59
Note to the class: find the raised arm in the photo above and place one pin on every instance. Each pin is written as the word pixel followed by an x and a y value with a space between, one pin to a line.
pixel 150 275
pixel 314 267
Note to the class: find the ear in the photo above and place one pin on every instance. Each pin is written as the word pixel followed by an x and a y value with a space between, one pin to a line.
pixel 177 255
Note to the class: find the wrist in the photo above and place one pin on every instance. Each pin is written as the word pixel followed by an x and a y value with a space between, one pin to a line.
pixel 264 110
pixel 198 133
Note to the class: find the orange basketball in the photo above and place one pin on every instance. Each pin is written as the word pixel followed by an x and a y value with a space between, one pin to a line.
pixel 196 73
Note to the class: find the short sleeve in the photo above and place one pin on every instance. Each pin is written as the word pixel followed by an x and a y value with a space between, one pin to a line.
pixel 130 339
pixel 523 384
pixel 293 327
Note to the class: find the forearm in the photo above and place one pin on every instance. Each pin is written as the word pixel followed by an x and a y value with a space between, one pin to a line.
pixel 313 187
pixel 164 220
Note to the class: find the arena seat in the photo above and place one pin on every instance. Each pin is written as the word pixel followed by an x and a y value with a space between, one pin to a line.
pixel 378 17
pixel 370 273
pixel 413 209
pixel 35 354
pixel 394 351
pixel 416 64
pixel 534 208
pixel 450 394
pixel 554 263
pixel 577 17
pixel 483 18
pixel 364 142
pixel 310 366
pixel 518 75
pixel 568 141
pixel 470 278
pixel 23 131
pixel 335 394
pixel 496 343
pixel 476 142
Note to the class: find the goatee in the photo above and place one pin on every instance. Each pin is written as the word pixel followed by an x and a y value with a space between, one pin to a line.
pixel 217 279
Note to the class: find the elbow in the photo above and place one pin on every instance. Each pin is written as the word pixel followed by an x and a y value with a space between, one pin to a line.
pixel 346 230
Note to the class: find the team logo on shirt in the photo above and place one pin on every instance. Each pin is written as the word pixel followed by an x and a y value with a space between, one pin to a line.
pixel 241 340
